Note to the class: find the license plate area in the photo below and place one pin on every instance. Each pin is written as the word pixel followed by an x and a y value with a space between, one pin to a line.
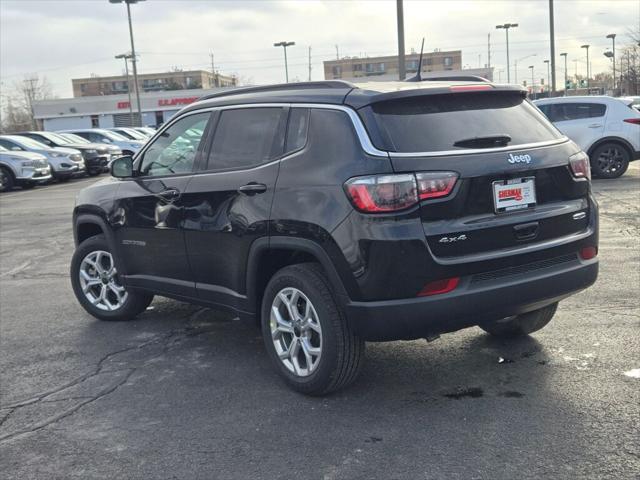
pixel 514 194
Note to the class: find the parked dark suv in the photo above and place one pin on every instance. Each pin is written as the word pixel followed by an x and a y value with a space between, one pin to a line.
pixel 335 214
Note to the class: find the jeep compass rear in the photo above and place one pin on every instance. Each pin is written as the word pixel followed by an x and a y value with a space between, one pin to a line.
pixel 335 215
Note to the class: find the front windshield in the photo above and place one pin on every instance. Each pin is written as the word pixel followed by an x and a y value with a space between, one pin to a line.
pixel 112 135
pixel 135 134
pixel 73 138
pixel 29 143
pixel 55 137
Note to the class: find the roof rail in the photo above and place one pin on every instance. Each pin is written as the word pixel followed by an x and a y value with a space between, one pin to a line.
pixel 280 86
pixel 453 78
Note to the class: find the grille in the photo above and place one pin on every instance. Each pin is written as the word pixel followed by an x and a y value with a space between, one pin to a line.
pixel 527 267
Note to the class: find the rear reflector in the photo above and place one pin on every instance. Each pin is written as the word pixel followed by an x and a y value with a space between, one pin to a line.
pixel 439 286
pixel 470 88
pixel 435 184
pixel 587 253
pixel 580 166
pixel 635 121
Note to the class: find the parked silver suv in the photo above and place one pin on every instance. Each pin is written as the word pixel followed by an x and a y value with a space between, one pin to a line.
pixel 24 169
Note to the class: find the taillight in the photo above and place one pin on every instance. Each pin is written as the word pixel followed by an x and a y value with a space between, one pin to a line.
pixel 382 193
pixel 587 253
pixel 635 121
pixel 439 286
pixel 390 193
pixel 580 166
pixel 435 184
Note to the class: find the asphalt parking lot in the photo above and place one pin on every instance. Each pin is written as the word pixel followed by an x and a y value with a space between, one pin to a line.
pixel 185 392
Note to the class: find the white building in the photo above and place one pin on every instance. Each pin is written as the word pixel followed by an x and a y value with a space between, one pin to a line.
pixel 113 110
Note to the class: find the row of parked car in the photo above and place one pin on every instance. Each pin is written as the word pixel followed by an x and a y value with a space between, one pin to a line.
pixel 31 158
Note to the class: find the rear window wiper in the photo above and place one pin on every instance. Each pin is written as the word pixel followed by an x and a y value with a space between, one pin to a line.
pixel 487 141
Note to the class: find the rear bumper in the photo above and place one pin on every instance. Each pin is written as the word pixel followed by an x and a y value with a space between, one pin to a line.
pixel 476 300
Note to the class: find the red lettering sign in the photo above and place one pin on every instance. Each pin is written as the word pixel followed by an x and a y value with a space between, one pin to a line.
pixel 511 193
pixel 123 105
pixel 170 102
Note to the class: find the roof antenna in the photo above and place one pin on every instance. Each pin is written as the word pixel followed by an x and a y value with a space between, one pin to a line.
pixel 417 77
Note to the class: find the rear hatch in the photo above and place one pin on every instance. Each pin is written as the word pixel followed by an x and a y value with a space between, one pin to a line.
pixel 514 184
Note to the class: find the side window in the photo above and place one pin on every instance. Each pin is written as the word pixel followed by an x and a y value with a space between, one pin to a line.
pixel 578 111
pixel 246 137
pixel 174 150
pixel 7 144
pixel 297 129
pixel 597 110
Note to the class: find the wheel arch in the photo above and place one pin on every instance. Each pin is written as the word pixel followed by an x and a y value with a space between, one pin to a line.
pixel 619 140
pixel 268 255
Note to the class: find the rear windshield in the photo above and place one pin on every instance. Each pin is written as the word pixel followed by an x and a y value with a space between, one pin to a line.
pixel 439 122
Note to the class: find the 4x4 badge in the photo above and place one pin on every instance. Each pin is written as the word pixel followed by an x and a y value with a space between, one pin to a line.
pixel 452 239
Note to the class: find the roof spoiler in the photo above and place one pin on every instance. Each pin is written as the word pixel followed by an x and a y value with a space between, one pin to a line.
pixel 281 86
pixel 457 78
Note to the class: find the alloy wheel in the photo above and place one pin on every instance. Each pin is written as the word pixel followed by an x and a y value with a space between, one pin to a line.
pixel 4 180
pixel 99 281
pixel 611 160
pixel 296 331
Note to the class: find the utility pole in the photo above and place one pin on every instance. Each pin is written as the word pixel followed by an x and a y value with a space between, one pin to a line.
pixel 309 63
pixel 284 45
pixel 213 71
pixel 488 50
pixel 548 74
pixel 533 83
pixel 402 71
pixel 587 48
pixel 553 48
pixel 565 73
pixel 126 58
pixel 506 28
pixel 337 53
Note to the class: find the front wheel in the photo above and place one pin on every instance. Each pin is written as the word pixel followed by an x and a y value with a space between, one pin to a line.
pixel 6 180
pixel 306 333
pixel 610 160
pixel 521 325
pixel 98 288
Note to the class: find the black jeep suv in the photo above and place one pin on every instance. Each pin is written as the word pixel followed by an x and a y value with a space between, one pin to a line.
pixel 334 214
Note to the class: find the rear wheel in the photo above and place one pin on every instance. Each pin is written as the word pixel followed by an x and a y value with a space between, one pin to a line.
pixel 306 333
pixel 610 160
pixel 6 180
pixel 520 325
pixel 97 286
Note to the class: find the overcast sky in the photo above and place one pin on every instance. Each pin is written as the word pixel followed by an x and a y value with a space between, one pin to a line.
pixel 67 39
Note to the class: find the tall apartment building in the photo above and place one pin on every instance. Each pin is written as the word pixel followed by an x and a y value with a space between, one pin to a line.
pixel 151 82
pixel 351 68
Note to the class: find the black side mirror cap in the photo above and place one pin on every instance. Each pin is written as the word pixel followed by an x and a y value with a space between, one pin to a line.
pixel 122 167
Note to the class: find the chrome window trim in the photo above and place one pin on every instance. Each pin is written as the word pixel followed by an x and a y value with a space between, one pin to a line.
pixel 361 132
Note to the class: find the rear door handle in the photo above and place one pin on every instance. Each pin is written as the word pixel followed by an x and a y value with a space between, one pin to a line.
pixel 252 188
pixel 595 125
pixel 170 195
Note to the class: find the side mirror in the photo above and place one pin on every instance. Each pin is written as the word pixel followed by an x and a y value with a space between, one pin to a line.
pixel 122 167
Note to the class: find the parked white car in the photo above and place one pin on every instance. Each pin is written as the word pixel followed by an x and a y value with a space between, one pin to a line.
pixel 606 128
pixel 65 162
pixel 23 169
pixel 101 135
pixel 130 133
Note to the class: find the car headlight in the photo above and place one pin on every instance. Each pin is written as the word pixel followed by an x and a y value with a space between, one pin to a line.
pixel 28 163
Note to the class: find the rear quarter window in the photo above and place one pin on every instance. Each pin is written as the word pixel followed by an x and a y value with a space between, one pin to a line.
pixel 436 122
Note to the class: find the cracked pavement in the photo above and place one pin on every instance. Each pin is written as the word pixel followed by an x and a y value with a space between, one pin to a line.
pixel 187 392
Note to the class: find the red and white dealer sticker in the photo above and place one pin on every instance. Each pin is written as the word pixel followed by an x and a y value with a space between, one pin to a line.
pixel 514 194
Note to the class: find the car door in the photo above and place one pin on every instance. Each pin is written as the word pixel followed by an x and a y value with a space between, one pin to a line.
pixel 149 209
pixel 582 122
pixel 227 206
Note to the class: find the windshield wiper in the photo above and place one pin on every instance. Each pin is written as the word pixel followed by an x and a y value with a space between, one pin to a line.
pixel 487 141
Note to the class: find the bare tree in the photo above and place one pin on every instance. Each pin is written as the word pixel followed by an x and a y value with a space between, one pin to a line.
pixel 17 104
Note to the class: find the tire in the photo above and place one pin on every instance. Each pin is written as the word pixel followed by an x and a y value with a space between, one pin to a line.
pixel 129 303
pixel 340 352
pixel 521 325
pixel 7 181
pixel 610 160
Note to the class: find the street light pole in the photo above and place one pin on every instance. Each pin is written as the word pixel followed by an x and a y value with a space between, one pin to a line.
pixel 533 83
pixel 565 73
pixel 402 71
pixel 548 73
pixel 286 66
pixel 612 36
pixel 587 48
pixel 134 59
pixel 506 28
pixel 126 57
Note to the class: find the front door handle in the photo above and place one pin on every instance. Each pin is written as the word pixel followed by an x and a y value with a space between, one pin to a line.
pixel 252 188
pixel 170 194
pixel 595 125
